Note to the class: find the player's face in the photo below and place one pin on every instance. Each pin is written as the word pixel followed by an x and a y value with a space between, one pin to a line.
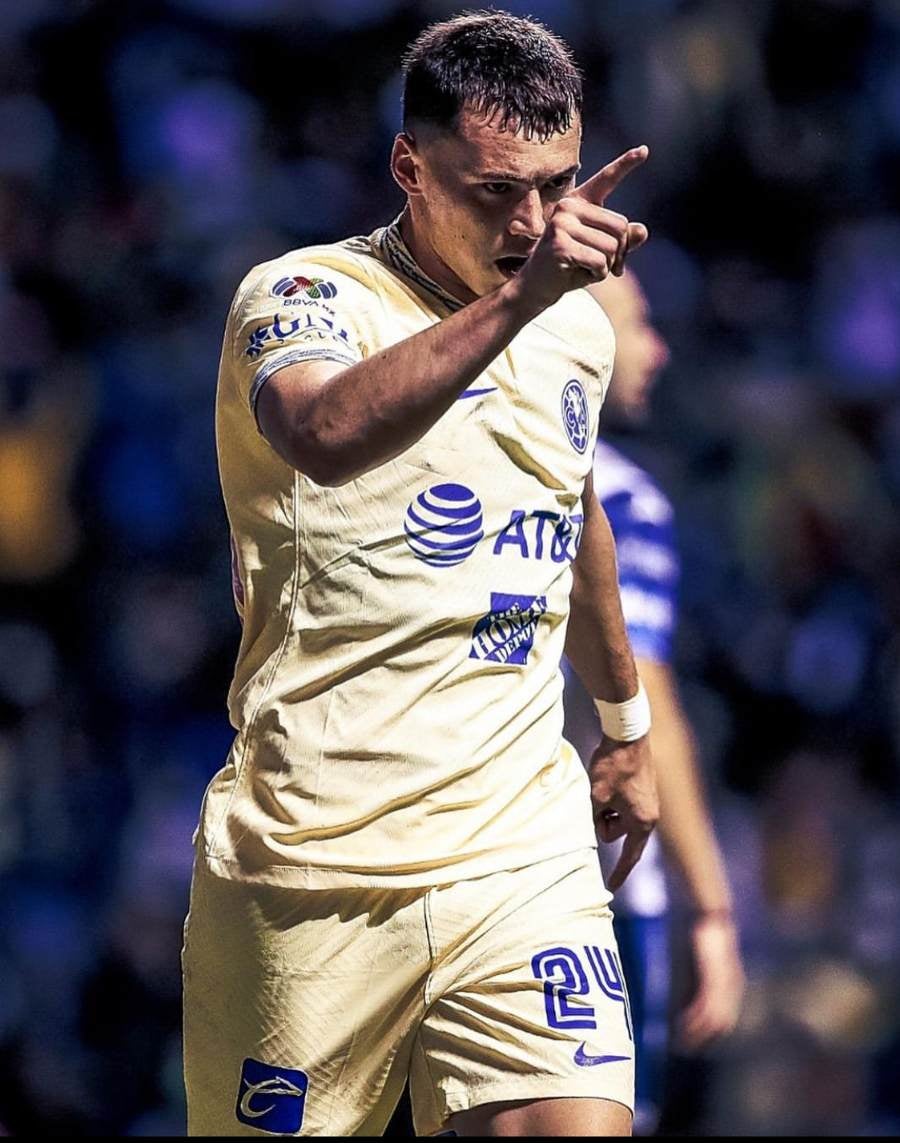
pixel 483 198
pixel 641 351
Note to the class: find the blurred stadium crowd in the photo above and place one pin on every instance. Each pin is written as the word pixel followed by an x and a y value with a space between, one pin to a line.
pixel 151 151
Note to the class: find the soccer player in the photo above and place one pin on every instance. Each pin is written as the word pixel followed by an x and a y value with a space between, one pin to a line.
pixel 396 868
pixel 642 522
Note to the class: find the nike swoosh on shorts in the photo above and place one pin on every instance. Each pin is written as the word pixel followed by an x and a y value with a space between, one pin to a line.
pixel 585 1061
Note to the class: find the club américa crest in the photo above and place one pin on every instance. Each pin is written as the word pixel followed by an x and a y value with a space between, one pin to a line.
pixel 575 414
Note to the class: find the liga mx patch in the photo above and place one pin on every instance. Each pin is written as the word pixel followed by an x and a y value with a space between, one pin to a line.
pixel 271 1098
pixel 506 633
pixel 297 283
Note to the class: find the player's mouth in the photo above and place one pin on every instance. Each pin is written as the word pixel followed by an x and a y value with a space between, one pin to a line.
pixel 511 264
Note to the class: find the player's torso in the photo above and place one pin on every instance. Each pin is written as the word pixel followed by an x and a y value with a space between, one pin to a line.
pixel 402 632
pixel 486 503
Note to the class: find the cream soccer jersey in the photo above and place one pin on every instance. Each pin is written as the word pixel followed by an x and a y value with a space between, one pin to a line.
pixel 397 692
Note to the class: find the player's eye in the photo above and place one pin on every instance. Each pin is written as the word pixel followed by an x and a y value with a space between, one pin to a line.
pixel 561 183
pixel 496 188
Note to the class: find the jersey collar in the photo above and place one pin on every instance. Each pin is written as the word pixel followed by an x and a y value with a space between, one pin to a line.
pixel 391 249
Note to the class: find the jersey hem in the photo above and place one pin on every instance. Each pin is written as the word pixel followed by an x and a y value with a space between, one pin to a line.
pixel 319 877
pixel 547 1085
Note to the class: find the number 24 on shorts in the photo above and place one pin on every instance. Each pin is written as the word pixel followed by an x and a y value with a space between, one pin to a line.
pixel 568 984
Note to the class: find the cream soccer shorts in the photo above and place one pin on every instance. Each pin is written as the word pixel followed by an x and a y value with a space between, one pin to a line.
pixel 306 1010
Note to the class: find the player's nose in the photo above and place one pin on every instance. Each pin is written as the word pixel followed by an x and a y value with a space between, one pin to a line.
pixel 527 220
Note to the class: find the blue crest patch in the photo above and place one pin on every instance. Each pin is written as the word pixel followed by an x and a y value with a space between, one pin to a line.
pixel 575 414
pixel 444 524
pixel 271 1098
pixel 506 633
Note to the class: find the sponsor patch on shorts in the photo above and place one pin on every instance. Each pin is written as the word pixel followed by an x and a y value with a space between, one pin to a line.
pixel 271 1098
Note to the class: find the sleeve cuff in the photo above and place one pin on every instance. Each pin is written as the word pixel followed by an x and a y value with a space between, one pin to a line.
pixel 293 357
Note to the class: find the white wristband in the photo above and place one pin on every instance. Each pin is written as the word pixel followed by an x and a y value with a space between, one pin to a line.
pixel 625 721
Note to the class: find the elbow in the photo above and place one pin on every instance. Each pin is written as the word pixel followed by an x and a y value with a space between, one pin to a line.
pixel 330 475
pixel 310 431
pixel 328 463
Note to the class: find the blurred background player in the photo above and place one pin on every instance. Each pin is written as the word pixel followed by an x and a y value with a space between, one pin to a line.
pixel 643 524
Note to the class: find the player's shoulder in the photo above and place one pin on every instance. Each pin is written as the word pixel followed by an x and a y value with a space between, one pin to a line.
pixel 314 273
pixel 618 479
pixel 578 317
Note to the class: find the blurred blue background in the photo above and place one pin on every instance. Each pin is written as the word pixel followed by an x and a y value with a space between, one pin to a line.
pixel 150 153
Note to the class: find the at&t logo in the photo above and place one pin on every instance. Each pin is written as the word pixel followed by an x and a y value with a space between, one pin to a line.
pixel 444 524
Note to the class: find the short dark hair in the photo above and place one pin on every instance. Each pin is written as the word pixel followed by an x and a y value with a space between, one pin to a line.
pixel 494 63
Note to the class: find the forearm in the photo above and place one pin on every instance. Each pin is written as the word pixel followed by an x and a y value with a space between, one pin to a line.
pixel 597 643
pixel 368 414
pixel 685 827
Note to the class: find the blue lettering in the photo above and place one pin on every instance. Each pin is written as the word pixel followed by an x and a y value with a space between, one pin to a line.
pixel 578 521
pixel 565 537
pixel 542 518
pixel 506 633
pixel 285 331
pixel 513 533
pixel 283 328
pixel 559 545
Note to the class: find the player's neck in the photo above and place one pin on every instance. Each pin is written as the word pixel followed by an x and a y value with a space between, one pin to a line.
pixel 429 261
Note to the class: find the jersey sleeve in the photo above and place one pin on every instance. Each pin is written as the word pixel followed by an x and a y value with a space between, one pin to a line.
pixel 289 314
pixel 649 570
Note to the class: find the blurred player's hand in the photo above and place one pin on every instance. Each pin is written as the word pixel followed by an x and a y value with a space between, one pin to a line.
pixel 714 1009
pixel 624 797
pixel 583 241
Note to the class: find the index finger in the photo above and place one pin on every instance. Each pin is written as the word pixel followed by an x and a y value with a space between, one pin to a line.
pixel 632 849
pixel 598 187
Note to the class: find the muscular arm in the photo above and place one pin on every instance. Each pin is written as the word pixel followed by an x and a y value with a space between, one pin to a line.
pixel 335 423
pixel 597 643
pixel 687 836
pixel 623 785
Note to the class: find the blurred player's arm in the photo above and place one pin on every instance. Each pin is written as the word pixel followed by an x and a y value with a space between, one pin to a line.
pixel 623 786
pixel 688 838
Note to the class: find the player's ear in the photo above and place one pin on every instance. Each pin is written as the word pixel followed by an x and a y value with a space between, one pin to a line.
pixel 406 164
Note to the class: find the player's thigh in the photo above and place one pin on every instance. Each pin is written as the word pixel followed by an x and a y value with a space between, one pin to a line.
pixel 299 1007
pixel 529 1004
pixel 548 1118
